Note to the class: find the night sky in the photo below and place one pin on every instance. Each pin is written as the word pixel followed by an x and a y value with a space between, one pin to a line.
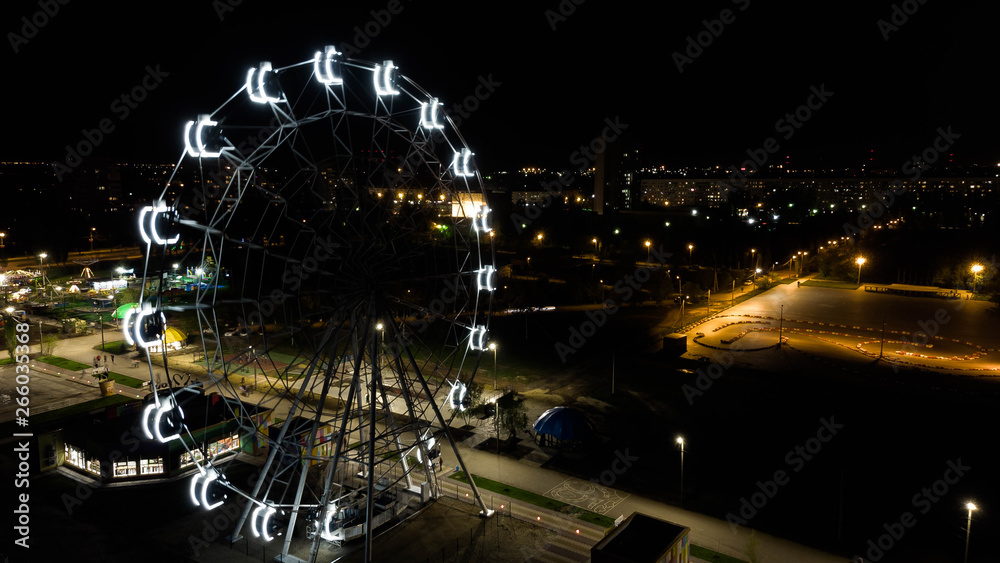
pixel 557 86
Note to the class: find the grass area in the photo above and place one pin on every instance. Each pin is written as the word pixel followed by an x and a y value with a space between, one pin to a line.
pixel 112 346
pixel 785 281
pixel 8 427
pixel 713 556
pixel 6 361
pixel 90 317
pixel 832 284
pixel 77 366
pixel 125 380
pixel 536 499
pixel 62 363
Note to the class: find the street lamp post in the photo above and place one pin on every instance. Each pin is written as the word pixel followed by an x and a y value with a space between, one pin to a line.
pixel 860 262
pixel 493 346
pixel 100 319
pixel 92 229
pixel 41 265
pixel 647 251
pixel 595 248
pixel 252 361
pixel 681 294
pixel 781 320
pixel 976 268
pixel 690 251
pixel 968 529
pixel 680 441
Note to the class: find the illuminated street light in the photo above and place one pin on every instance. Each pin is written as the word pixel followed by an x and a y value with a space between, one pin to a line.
pixel 680 442
pixel 41 265
pixel 976 269
pixel 595 246
pixel 647 251
pixel 968 528
pixel 690 251
pixel 493 346
pixel 861 262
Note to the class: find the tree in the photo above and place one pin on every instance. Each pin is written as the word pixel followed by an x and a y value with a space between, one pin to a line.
pixel 10 335
pixel 473 402
pixel 48 344
pixel 128 295
pixel 511 415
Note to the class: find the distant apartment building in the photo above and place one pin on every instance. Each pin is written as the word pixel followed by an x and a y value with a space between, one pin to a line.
pixel 681 192
pixel 930 195
pixel 616 182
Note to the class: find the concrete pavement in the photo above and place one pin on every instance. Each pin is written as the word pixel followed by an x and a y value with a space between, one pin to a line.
pixel 706 531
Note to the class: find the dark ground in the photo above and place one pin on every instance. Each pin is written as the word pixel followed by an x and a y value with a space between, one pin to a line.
pixel 900 430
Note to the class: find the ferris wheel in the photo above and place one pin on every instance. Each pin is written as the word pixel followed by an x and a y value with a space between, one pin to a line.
pixel 343 260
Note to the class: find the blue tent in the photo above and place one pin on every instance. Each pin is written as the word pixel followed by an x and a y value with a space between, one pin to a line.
pixel 565 424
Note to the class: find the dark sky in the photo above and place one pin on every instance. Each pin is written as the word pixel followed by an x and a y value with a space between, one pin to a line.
pixel 558 86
